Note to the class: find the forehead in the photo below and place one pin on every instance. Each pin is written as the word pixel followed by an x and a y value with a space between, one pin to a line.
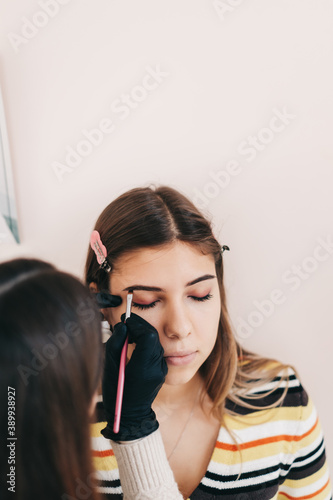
pixel 177 262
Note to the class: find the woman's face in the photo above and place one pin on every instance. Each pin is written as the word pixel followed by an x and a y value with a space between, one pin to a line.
pixel 184 306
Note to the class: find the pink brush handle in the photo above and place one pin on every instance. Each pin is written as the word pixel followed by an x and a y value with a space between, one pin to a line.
pixel 120 387
pixel 122 366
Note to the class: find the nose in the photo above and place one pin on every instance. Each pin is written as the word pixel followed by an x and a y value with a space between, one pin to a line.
pixel 177 322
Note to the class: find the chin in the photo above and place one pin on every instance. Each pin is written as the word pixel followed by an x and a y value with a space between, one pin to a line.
pixel 179 377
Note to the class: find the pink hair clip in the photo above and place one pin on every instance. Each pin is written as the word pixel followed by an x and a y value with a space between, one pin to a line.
pixel 100 251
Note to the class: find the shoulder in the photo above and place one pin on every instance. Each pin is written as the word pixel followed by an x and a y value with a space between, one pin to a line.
pixel 278 386
pixel 104 460
pixel 106 471
pixel 275 431
pixel 275 414
pixel 102 449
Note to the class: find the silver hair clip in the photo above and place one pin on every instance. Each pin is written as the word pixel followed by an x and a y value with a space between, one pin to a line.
pixel 100 251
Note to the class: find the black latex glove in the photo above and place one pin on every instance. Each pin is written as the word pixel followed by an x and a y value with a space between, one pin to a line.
pixel 144 376
pixel 105 300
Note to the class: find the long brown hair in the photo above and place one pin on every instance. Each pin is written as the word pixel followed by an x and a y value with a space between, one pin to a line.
pixel 147 217
pixel 50 355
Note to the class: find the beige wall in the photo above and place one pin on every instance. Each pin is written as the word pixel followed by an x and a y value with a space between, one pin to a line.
pixel 230 102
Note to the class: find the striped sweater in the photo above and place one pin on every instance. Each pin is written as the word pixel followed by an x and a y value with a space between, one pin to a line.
pixel 283 451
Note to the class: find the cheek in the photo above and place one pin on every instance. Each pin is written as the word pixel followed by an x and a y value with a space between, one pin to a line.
pixel 154 316
pixel 207 323
pixel 207 312
pixel 114 315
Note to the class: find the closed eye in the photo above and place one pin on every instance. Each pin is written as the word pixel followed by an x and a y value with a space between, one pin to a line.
pixel 201 299
pixel 144 306
pixel 153 304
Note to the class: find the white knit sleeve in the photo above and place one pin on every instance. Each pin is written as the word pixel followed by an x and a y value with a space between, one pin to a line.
pixel 144 470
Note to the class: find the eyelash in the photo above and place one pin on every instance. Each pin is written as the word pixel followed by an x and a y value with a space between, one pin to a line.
pixel 153 304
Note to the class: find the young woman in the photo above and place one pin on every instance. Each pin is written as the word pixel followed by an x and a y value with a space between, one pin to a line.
pixel 50 358
pixel 226 423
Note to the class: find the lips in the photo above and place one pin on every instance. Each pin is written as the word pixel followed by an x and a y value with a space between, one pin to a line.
pixel 178 354
pixel 180 358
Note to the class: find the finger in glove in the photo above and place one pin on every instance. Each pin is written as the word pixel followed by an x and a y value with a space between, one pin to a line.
pixel 105 300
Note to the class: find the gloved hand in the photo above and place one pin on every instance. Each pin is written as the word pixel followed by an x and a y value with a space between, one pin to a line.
pixel 105 300
pixel 144 376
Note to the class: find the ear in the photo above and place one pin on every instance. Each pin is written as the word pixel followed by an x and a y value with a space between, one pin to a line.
pixel 93 287
pixel 106 312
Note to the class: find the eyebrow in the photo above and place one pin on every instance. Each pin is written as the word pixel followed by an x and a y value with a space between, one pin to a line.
pixel 158 289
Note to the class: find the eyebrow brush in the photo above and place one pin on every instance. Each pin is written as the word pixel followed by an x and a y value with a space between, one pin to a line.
pixel 121 376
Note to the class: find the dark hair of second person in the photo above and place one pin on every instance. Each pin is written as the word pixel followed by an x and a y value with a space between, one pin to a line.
pixel 50 356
